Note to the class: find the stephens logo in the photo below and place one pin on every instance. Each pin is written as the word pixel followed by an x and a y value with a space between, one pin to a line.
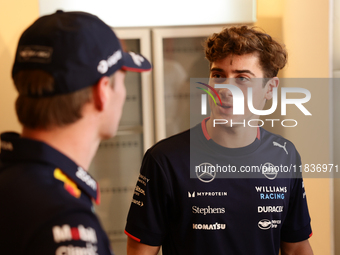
pixel 207 210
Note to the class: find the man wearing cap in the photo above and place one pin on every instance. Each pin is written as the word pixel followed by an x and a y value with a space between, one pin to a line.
pixel 69 71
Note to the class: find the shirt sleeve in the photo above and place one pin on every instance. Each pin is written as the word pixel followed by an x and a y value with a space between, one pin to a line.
pixel 74 233
pixel 296 227
pixel 150 208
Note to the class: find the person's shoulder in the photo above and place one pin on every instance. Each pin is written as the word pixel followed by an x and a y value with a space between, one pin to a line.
pixel 175 144
pixel 276 140
pixel 35 184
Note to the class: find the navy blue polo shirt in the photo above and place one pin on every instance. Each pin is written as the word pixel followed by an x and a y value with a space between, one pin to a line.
pixel 46 202
pixel 214 213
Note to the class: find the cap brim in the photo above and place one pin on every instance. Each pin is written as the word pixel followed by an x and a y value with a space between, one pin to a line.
pixel 135 62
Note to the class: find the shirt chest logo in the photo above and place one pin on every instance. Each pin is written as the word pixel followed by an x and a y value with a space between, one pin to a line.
pixel 69 185
pixel 205 172
pixel 281 146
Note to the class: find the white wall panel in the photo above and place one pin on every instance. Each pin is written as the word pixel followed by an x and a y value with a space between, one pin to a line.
pixel 136 13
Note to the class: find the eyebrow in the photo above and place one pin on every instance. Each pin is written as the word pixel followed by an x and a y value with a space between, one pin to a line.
pixel 234 71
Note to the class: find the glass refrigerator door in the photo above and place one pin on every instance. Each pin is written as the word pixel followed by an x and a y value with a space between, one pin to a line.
pixel 178 56
pixel 117 162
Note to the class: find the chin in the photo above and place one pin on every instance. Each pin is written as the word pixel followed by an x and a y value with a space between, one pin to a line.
pixel 108 135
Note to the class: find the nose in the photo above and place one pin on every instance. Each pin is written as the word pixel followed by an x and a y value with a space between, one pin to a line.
pixel 224 93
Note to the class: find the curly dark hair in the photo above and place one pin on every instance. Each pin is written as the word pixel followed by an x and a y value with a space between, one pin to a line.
pixel 244 40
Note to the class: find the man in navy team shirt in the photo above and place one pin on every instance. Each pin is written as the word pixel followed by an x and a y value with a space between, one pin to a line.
pixel 259 213
pixel 69 71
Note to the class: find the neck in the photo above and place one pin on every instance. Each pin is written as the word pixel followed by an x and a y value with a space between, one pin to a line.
pixel 231 137
pixel 77 141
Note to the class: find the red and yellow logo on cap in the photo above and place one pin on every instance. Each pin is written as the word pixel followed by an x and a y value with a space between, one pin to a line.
pixel 69 185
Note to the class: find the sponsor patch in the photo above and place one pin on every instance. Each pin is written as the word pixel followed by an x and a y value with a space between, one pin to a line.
pixel 207 210
pixel 270 209
pixel 215 226
pixel 8 146
pixel 76 250
pixel 35 54
pixel 86 178
pixel 69 185
pixel 205 172
pixel 137 202
pixel 66 233
pixel 267 224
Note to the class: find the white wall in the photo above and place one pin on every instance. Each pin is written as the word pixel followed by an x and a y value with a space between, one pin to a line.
pixel 146 13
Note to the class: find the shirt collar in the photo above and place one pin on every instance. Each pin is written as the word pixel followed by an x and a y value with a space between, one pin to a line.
pixel 16 148
pixel 205 138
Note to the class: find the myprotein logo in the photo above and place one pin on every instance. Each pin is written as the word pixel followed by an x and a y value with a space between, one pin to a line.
pixel 207 194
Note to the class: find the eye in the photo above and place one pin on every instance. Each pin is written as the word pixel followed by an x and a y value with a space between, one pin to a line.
pixel 242 79
pixel 217 78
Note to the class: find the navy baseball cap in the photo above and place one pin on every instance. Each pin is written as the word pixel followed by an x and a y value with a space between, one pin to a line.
pixel 76 48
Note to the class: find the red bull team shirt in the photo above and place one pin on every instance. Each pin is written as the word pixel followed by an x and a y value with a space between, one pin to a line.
pixel 46 202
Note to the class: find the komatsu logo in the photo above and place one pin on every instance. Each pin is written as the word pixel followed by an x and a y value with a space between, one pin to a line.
pixel 216 226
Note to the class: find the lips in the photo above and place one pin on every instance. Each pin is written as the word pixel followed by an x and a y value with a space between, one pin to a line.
pixel 226 105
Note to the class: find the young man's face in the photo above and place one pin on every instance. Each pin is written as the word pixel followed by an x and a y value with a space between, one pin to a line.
pixel 115 105
pixel 242 71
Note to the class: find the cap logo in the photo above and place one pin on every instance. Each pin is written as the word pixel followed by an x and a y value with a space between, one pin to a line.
pixel 137 59
pixel 104 65
pixel 35 53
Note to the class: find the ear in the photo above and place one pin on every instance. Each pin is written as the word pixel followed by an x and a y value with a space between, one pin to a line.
pixel 101 92
pixel 271 84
